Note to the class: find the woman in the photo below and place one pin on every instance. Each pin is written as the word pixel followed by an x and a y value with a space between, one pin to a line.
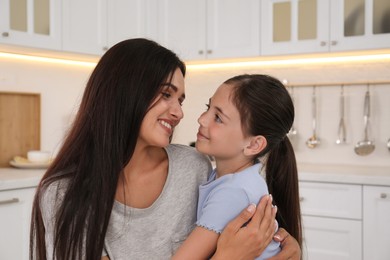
pixel 117 188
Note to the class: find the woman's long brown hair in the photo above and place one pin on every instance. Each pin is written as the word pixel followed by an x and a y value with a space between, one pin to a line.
pixel 100 143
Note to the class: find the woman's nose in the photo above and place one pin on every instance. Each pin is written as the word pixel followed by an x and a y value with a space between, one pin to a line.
pixel 177 111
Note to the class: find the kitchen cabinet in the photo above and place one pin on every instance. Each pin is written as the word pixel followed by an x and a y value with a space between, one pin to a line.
pixel 31 23
pixel 15 215
pixel 376 226
pixel 314 26
pixel 331 220
pixel 93 26
pixel 211 29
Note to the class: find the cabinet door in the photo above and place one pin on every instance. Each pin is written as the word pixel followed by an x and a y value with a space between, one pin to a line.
pixel 15 215
pixel 332 238
pixel 360 24
pixel 294 26
pixel 331 200
pixel 85 26
pixel 125 19
pixel 181 26
pixel 233 28
pixel 376 224
pixel 31 23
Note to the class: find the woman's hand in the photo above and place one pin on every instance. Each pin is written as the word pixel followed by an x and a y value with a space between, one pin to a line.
pixel 238 242
pixel 290 246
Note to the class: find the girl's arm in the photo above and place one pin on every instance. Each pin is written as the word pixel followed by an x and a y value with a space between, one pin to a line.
pixel 236 242
pixel 200 244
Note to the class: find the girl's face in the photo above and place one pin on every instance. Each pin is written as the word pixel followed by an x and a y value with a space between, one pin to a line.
pixel 164 113
pixel 220 133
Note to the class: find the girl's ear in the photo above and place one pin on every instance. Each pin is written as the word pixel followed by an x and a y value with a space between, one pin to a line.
pixel 256 145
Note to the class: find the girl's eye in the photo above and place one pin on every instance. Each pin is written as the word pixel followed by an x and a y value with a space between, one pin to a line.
pixel 207 107
pixel 217 119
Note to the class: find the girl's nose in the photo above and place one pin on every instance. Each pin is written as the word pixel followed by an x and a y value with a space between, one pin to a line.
pixel 202 119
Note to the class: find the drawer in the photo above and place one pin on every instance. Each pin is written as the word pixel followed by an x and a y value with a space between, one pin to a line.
pixel 331 200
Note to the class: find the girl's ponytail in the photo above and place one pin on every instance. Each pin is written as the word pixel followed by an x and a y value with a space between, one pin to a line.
pixel 282 181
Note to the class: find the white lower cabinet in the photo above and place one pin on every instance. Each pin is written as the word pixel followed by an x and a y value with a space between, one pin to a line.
pixel 331 220
pixel 332 238
pixel 15 215
pixel 376 219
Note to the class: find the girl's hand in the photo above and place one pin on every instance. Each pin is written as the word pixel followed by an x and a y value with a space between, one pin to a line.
pixel 238 242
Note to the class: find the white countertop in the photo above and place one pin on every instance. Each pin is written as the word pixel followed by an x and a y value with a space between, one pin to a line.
pixel 367 175
pixel 12 178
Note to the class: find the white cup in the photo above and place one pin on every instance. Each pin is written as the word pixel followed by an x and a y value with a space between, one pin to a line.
pixel 38 156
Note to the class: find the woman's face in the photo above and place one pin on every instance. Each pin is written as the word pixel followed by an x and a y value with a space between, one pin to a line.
pixel 220 133
pixel 164 114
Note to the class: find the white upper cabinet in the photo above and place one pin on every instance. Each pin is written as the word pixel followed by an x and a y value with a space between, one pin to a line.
pixel 210 29
pixel 93 26
pixel 310 26
pixel 31 23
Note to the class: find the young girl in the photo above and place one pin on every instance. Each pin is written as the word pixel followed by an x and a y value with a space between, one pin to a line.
pixel 247 119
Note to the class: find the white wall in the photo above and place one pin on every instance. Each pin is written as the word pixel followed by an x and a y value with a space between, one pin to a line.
pixel 61 88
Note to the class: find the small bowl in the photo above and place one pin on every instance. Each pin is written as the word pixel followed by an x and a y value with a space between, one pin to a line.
pixel 38 156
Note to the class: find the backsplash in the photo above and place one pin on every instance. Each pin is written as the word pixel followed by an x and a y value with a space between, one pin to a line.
pixel 201 85
pixel 61 87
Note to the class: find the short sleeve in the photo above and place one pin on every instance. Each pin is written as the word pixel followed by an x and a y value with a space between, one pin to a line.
pixel 222 206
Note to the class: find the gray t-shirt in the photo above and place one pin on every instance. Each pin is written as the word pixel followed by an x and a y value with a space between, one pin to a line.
pixel 156 232
pixel 151 233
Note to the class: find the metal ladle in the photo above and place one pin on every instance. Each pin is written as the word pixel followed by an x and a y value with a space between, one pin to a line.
pixel 313 141
pixel 366 146
pixel 342 139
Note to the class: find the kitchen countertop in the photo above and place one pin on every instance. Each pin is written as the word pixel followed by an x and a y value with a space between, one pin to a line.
pixel 13 178
pixel 348 174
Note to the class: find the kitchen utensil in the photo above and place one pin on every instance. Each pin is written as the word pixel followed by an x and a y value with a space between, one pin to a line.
pixel 388 144
pixel 366 146
pixel 313 141
pixel 342 139
pixel 293 131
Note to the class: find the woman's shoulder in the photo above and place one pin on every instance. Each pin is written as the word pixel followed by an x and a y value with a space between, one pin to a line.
pixel 186 151
pixel 187 157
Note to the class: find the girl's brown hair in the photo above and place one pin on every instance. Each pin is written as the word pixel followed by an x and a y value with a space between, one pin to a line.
pixel 266 109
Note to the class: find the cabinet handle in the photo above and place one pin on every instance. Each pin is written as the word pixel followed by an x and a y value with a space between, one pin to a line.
pixel 383 195
pixel 10 201
pixel 333 43
pixel 301 198
pixel 322 43
pixel 5 34
pixel 200 52
pixel 209 51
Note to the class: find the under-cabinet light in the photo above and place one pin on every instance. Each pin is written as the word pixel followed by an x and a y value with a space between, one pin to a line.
pixel 223 64
pixel 46 59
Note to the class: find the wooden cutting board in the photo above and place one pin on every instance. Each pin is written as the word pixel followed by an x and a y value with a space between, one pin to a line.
pixel 19 125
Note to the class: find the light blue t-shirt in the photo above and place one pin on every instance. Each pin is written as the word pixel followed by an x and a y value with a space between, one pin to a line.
pixel 222 199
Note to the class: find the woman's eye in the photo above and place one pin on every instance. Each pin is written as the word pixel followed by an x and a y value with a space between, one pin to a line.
pixel 166 94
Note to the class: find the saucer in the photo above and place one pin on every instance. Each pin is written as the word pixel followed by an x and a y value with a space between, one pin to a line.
pixel 24 163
